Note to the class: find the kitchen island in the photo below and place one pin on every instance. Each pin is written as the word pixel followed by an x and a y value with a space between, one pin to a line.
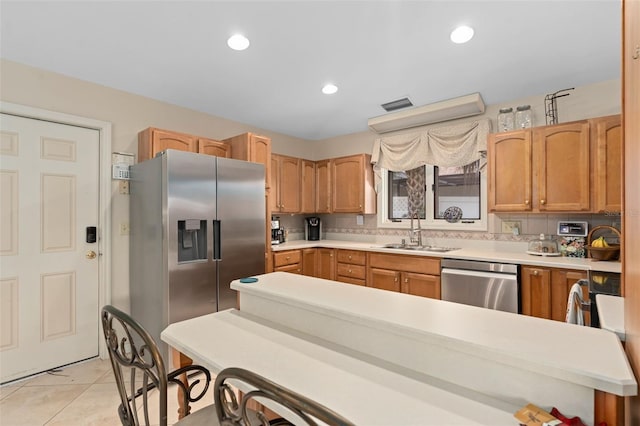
pixel 454 361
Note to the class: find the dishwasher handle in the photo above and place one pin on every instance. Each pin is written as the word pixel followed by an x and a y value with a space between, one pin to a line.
pixel 479 274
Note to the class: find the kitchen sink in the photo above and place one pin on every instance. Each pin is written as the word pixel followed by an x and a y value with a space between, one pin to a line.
pixel 436 249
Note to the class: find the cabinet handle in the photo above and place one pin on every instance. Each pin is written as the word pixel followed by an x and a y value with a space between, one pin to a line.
pixel 535 272
pixel 526 202
pixel 287 258
pixel 349 257
pixel 349 270
pixel 406 280
pixel 331 255
pixel 542 201
pixel 395 280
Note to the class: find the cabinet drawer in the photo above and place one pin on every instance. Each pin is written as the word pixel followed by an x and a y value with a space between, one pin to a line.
pixel 353 271
pixel 352 256
pixel 408 263
pixel 349 280
pixel 286 257
pixel 294 269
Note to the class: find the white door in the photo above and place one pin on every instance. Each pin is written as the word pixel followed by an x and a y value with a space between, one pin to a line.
pixel 49 195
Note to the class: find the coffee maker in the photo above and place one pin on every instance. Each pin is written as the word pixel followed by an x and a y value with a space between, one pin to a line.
pixel 277 233
pixel 312 229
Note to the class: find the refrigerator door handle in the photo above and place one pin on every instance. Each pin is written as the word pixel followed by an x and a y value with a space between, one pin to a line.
pixel 217 255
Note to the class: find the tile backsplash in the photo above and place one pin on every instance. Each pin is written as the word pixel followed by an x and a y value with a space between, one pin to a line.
pixel 530 226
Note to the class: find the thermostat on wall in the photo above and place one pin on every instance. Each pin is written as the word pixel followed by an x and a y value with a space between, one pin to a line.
pixel 573 229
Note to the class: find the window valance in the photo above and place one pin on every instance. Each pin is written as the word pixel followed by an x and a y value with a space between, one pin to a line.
pixel 446 146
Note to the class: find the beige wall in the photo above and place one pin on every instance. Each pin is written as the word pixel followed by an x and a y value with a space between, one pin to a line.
pixel 594 100
pixel 128 114
pixel 131 113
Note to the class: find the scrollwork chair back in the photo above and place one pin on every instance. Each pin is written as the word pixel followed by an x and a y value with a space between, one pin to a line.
pixel 138 368
pixel 233 411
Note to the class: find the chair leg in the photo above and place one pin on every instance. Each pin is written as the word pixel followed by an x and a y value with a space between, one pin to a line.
pixel 180 360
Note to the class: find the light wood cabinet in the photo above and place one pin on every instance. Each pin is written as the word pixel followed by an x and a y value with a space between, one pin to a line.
pixel 571 167
pixel 607 133
pixel 288 261
pixel 545 291
pixel 351 266
pixel 308 187
pixel 562 155
pixel 510 178
pixel 254 148
pixel 326 263
pixel 214 147
pixel 152 141
pixel 323 186
pixel 417 275
pixel 285 184
pixel 352 185
pixel 309 261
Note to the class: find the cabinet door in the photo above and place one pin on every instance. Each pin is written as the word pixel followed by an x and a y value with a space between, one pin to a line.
pixel 152 141
pixel 309 262
pixel 323 186
pixel 561 283
pixel 308 191
pixel 509 169
pixel 274 190
pixel 383 279
pixel 288 257
pixel 536 292
pixel 326 266
pixel 260 152
pixel 608 176
pixel 348 184
pixel 289 184
pixel 294 269
pixel 563 167
pixel 214 147
pixel 421 285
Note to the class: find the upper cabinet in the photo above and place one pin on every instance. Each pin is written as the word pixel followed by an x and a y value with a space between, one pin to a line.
pixel 152 141
pixel 254 148
pixel 323 186
pixel 561 154
pixel 308 189
pixel 352 185
pixel 608 163
pixel 509 171
pixel 285 184
pixel 214 147
pixel 570 167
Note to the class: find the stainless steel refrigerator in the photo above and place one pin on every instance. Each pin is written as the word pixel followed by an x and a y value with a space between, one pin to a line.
pixel 197 222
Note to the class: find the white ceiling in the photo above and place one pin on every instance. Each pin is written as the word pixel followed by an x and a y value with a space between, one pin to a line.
pixel 374 51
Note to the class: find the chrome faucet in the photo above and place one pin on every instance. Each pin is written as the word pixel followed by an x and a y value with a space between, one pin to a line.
pixel 415 234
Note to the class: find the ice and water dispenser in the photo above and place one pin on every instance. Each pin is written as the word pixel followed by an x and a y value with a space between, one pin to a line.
pixel 192 240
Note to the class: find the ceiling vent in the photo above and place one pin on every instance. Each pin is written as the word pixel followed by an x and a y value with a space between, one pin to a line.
pixel 464 106
pixel 397 104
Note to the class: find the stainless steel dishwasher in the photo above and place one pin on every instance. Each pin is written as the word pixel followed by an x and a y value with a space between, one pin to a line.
pixel 485 284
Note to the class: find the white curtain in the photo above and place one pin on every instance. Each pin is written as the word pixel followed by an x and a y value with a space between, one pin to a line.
pixel 447 146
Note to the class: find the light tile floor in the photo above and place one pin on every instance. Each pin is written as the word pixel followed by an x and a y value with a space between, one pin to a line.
pixel 79 395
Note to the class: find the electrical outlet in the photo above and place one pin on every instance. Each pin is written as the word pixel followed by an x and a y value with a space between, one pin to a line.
pixel 124 228
pixel 123 186
pixel 509 226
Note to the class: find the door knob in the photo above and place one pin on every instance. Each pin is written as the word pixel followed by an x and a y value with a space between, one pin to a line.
pixel 91 254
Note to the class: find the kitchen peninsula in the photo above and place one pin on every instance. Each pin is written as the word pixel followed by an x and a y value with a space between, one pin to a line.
pixel 381 358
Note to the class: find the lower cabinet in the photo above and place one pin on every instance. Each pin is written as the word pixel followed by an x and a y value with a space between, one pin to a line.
pixel 288 261
pixel 351 267
pixel 309 259
pixel 417 275
pixel 326 263
pixel 545 291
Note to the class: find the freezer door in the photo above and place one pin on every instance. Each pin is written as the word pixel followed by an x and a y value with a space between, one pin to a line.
pixel 190 212
pixel 241 225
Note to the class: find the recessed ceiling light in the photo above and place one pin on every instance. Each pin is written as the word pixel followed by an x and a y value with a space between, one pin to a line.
pixel 462 34
pixel 238 42
pixel 329 89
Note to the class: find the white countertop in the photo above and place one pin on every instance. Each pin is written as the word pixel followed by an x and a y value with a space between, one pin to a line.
pixel 361 391
pixel 547 347
pixel 521 258
pixel 611 314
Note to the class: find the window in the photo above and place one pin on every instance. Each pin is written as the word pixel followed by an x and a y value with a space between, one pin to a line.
pixel 430 191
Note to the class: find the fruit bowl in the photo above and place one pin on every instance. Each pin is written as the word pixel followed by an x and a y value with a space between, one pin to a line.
pixel 604 253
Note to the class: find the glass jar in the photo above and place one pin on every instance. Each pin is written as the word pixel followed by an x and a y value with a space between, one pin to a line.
pixel 523 117
pixel 505 119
